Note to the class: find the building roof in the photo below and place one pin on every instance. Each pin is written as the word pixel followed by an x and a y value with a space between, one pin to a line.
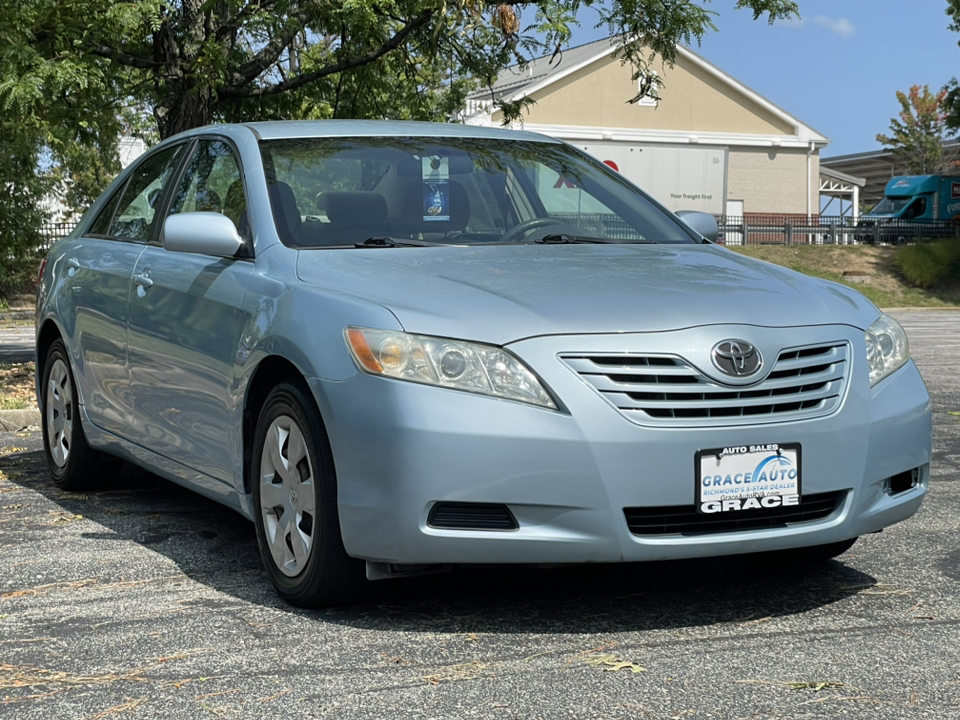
pixel 515 79
pixel 516 82
pixel 841 176
pixel 876 167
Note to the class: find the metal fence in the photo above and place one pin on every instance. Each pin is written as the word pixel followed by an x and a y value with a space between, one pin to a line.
pixel 787 229
pixel 53 231
pixel 829 230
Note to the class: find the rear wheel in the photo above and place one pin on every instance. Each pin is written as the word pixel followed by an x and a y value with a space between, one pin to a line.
pixel 295 504
pixel 73 464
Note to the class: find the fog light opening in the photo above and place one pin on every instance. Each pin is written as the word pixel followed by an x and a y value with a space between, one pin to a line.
pixel 471 516
pixel 901 482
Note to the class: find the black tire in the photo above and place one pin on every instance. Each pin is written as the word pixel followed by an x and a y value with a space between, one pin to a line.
pixel 73 464
pixel 294 489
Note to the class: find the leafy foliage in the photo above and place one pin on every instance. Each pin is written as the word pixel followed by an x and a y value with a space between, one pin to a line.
pixel 927 265
pixel 919 130
pixel 195 61
pixel 952 100
pixel 21 192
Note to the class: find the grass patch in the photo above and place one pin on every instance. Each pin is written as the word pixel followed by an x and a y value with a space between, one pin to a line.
pixel 13 403
pixel 873 271
pixel 930 264
pixel 16 386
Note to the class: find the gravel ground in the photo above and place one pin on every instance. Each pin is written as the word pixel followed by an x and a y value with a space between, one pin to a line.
pixel 147 601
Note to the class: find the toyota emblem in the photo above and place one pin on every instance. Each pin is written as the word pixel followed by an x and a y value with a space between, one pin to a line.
pixel 736 357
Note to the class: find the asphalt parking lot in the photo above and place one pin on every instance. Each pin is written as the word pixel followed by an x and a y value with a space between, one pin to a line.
pixel 147 601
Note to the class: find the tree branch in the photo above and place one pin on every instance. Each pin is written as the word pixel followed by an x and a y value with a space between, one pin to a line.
pixel 239 89
pixel 124 58
pixel 234 23
pixel 270 52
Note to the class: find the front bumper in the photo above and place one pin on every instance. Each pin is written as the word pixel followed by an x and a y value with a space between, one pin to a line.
pixel 568 476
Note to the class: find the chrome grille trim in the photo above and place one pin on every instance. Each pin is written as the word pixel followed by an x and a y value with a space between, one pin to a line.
pixel 668 391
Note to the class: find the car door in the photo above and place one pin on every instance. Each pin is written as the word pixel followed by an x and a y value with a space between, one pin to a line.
pixel 97 268
pixel 185 322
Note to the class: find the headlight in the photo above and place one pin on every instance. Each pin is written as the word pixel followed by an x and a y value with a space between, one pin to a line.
pixel 454 364
pixel 887 348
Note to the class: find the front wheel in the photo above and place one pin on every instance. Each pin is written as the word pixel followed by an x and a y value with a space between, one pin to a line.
pixel 73 464
pixel 295 504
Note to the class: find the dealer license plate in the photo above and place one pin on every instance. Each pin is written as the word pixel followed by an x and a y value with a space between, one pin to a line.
pixel 748 477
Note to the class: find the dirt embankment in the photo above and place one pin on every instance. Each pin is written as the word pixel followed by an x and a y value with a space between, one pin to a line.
pixel 871 270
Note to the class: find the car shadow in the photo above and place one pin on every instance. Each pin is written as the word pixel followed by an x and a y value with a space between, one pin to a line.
pixel 217 547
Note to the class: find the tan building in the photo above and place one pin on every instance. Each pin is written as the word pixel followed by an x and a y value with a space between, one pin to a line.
pixel 709 143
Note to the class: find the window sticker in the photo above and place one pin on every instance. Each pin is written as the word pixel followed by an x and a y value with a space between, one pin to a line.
pixel 436 188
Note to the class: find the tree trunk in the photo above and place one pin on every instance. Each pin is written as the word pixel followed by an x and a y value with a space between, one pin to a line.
pixel 186 104
pixel 184 110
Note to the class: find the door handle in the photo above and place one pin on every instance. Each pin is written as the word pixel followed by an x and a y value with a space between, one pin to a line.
pixel 142 282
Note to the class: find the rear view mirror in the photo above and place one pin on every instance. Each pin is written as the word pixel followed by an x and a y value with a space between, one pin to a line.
pixel 458 164
pixel 701 222
pixel 207 233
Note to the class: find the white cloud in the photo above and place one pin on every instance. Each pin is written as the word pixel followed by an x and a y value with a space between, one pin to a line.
pixel 841 26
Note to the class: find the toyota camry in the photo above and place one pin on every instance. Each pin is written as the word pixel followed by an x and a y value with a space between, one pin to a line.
pixel 403 347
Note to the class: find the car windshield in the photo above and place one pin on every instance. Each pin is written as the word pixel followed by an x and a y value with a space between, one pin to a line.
pixel 373 192
pixel 890 205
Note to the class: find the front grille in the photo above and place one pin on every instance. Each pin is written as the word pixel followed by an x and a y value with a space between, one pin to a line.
pixel 667 390
pixel 685 520
pixel 471 516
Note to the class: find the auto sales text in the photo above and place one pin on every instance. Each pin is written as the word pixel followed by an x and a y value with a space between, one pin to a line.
pixel 750 503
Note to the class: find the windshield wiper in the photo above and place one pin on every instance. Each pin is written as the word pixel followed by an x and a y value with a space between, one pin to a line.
pixel 564 238
pixel 381 242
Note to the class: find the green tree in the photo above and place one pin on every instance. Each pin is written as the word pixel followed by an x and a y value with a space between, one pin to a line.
pixel 195 61
pixel 918 132
pixel 21 188
pixel 952 101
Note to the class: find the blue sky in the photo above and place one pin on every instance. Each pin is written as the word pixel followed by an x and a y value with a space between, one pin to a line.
pixel 839 67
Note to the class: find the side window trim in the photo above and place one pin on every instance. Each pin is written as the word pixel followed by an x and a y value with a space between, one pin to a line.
pixel 174 182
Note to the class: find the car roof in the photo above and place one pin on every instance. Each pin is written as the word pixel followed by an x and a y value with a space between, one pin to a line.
pixel 283 129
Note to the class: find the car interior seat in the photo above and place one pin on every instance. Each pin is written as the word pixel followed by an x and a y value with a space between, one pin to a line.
pixel 235 207
pixel 352 217
pixel 286 213
pixel 208 200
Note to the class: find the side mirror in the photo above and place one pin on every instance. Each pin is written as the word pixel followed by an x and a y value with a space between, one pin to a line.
pixel 206 233
pixel 701 222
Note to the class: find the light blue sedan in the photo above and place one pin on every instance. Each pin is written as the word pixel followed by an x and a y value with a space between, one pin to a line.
pixel 402 347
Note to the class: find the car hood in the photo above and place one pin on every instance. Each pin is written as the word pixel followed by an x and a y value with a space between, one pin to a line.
pixel 500 294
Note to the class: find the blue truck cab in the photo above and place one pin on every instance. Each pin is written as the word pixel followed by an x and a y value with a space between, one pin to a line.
pixel 919 198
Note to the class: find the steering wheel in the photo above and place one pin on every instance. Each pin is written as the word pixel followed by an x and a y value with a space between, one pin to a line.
pixel 518 231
